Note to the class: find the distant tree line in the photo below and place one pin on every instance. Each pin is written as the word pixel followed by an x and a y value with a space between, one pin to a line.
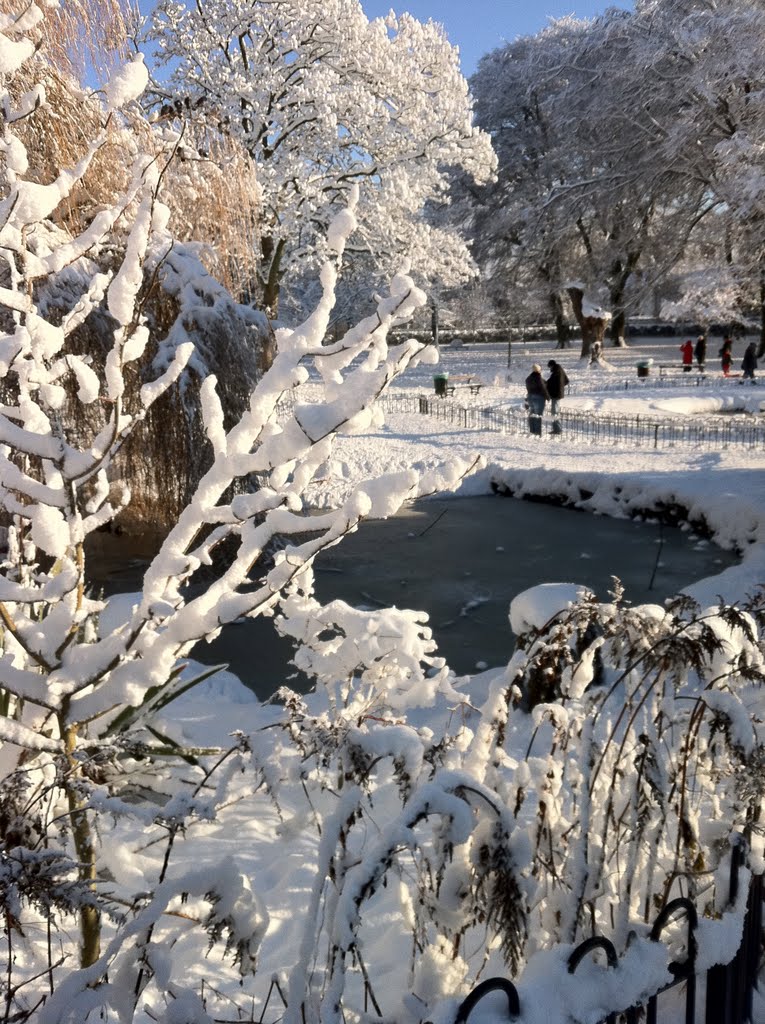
pixel 630 151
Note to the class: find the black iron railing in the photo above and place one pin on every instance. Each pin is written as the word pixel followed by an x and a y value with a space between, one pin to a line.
pixel 729 988
pixel 711 433
pixel 708 432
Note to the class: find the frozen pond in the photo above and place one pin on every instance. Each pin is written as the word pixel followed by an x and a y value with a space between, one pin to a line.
pixel 463 560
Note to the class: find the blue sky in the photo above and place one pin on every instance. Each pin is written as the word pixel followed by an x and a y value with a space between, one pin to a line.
pixel 477 26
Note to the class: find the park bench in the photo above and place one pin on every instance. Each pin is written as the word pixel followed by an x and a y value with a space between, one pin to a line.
pixel 464 380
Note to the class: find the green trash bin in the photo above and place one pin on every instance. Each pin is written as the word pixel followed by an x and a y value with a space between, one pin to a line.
pixel 644 368
pixel 440 381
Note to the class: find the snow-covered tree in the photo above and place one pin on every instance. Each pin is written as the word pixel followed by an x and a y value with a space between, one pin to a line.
pixel 323 99
pixel 706 126
pixel 525 245
pixel 74 695
pixel 212 221
pixel 678 126
pixel 570 202
pixel 618 139
pixel 709 296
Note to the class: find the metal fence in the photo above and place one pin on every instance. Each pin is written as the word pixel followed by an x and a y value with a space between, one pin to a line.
pixel 728 990
pixel 667 381
pixel 712 433
pixel 639 430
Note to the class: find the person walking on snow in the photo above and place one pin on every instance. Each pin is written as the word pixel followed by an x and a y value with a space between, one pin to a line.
pixel 687 349
pixel 556 388
pixel 536 396
pixel 726 355
pixel 749 362
pixel 700 351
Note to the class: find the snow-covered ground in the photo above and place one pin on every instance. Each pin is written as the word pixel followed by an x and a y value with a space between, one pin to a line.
pixel 269 829
pixel 726 488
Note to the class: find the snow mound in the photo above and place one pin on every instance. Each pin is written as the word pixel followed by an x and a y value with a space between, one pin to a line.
pixel 535 607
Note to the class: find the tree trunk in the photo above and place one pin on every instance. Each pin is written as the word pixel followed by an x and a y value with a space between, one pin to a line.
pixel 272 258
pixel 620 275
pixel 593 328
pixel 434 324
pixel 619 328
pixel 562 329
pixel 82 834
pixel 761 346
pixel 266 351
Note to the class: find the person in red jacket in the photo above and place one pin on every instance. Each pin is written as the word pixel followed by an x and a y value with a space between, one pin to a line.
pixel 726 355
pixel 687 349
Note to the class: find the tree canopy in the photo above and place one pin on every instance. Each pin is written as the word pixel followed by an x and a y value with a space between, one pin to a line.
pixel 322 99
pixel 628 152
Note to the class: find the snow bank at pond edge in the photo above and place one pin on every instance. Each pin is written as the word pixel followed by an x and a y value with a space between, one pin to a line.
pixel 731 520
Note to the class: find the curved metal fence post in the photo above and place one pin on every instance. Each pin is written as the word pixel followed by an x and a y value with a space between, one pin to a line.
pixel 589 946
pixel 753 934
pixel 482 989
pixel 681 903
pixel 686 969
pixel 721 995
pixel 738 968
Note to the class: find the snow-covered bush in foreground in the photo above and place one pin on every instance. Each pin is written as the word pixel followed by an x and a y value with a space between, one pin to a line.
pixel 408 833
pixel 462 836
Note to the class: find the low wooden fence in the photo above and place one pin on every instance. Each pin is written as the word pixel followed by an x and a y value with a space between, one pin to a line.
pixel 728 991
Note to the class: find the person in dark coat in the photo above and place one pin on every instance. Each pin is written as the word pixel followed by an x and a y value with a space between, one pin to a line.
pixel 556 388
pixel 749 362
pixel 726 355
pixel 700 351
pixel 536 397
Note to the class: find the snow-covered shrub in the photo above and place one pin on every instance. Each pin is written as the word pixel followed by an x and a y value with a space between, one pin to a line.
pixel 603 775
pixel 212 197
pixel 632 778
pixel 710 296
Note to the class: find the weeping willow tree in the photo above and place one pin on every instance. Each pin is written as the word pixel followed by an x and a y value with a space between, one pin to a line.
pixel 193 291
pixel 80 34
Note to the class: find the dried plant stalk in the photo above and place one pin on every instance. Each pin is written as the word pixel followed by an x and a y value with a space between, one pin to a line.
pixel 79 35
